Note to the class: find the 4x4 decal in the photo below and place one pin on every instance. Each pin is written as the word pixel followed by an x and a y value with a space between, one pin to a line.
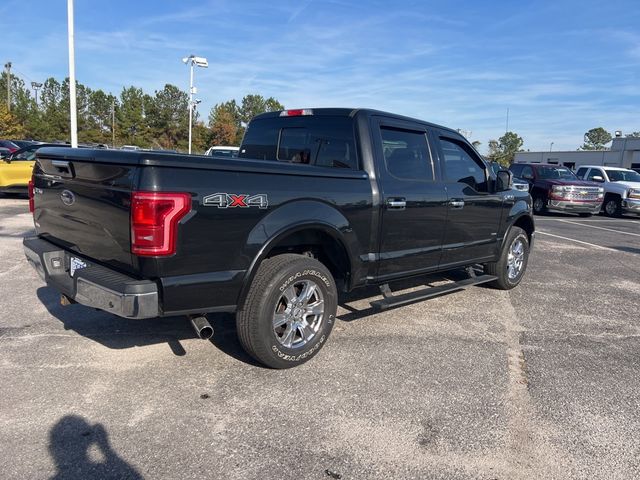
pixel 232 200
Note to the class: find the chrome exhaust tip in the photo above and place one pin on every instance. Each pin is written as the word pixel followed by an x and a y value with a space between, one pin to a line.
pixel 202 327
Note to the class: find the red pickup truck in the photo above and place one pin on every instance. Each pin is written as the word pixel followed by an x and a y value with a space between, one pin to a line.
pixel 556 188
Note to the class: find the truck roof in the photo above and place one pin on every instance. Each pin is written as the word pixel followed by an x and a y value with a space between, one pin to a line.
pixel 352 112
pixel 608 167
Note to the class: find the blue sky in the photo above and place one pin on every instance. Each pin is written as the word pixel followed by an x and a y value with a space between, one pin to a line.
pixel 560 67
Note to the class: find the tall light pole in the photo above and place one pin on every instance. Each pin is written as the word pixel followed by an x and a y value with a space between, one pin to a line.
pixel 8 67
pixel 72 77
pixel 192 60
pixel 113 124
pixel 550 146
pixel 36 86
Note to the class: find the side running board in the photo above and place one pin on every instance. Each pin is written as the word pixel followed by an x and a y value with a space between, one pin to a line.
pixel 390 300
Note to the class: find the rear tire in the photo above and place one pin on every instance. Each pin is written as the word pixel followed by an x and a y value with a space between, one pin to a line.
pixel 513 260
pixel 289 311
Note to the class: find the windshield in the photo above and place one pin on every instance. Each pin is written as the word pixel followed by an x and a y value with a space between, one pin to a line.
pixel 559 173
pixel 623 175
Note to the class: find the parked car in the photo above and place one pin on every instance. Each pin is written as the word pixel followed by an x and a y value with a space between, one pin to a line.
pixel 8 144
pixel 556 188
pixel 621 188
pixel 16 168
pixel 309 208
pixel 223 151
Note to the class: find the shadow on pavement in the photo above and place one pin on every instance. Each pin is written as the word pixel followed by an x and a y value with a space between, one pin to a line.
pixel 120 333
pixel 81 450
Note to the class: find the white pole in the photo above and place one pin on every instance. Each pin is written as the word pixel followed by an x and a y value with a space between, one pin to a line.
pixel 72 77
pixel 190 104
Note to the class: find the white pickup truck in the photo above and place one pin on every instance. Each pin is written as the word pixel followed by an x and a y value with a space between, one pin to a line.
pixel 621 188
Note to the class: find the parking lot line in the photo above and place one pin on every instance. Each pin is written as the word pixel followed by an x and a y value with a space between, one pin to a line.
pixel 594 219
pixel 600 228
pixel 577 241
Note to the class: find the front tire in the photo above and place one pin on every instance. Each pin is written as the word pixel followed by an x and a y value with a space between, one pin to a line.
pixel 539 205
pixel 289 311
pixel 612 207
pixel 510 267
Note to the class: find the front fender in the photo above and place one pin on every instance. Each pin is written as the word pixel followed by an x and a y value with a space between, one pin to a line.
pixel 522 207
pixel 290 218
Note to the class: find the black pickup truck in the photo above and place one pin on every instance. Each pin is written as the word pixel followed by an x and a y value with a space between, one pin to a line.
pixel 318 201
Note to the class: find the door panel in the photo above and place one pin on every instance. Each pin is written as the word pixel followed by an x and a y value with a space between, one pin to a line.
pixel 414 201
pixel 473 212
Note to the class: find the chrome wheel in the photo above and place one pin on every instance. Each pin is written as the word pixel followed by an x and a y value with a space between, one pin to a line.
pixel 515 259
pixel 298 314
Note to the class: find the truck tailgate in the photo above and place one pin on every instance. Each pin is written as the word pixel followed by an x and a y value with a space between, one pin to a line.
pixel 82 203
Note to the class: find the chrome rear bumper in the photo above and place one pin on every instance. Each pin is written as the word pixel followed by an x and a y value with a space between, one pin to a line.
pixel 91 284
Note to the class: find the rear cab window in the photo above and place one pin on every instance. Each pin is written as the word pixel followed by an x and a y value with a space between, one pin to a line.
pixel 322 140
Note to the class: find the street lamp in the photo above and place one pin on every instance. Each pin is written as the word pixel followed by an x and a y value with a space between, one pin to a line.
pixel 551 146
pixel 36 86
pixel 192 60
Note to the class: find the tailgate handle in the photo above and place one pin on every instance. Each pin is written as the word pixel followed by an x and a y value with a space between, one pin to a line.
pixel 63 168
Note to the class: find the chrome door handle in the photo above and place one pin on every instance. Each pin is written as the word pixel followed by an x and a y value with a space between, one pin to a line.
pixel 456 203
pixel 396 203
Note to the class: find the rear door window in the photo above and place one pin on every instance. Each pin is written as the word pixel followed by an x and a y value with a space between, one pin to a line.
pixel 406 154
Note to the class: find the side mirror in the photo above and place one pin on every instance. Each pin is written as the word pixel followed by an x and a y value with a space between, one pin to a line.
pixel 597 178
pixel 504 180
pixel 6 159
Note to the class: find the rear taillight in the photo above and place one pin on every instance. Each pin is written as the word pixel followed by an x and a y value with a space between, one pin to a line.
pixel 31 202
pixel 154 221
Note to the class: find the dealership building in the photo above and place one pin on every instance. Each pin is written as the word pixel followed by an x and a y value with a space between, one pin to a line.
pixel 624 152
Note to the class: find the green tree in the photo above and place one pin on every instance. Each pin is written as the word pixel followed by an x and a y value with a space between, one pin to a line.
pixel 596 139
pixel 634 134
pixel 131 125
pixel 224 124
pixel 55 119
pixel 504 149
pixel 168 117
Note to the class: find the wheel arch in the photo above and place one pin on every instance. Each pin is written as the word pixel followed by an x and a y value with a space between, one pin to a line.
pixel 304 227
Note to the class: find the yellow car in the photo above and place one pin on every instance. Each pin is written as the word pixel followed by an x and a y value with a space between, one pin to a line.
pixel 16 168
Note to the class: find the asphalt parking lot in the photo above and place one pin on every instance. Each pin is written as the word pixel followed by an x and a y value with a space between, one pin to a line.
pixel 539 382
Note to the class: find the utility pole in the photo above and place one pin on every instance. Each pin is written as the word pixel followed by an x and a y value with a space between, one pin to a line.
pixel 72 77
pixel 36 86
pixel 113 124
pixel 8 67
pixel 507 126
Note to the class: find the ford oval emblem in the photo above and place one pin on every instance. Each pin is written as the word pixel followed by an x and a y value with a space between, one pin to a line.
pixel 67 197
